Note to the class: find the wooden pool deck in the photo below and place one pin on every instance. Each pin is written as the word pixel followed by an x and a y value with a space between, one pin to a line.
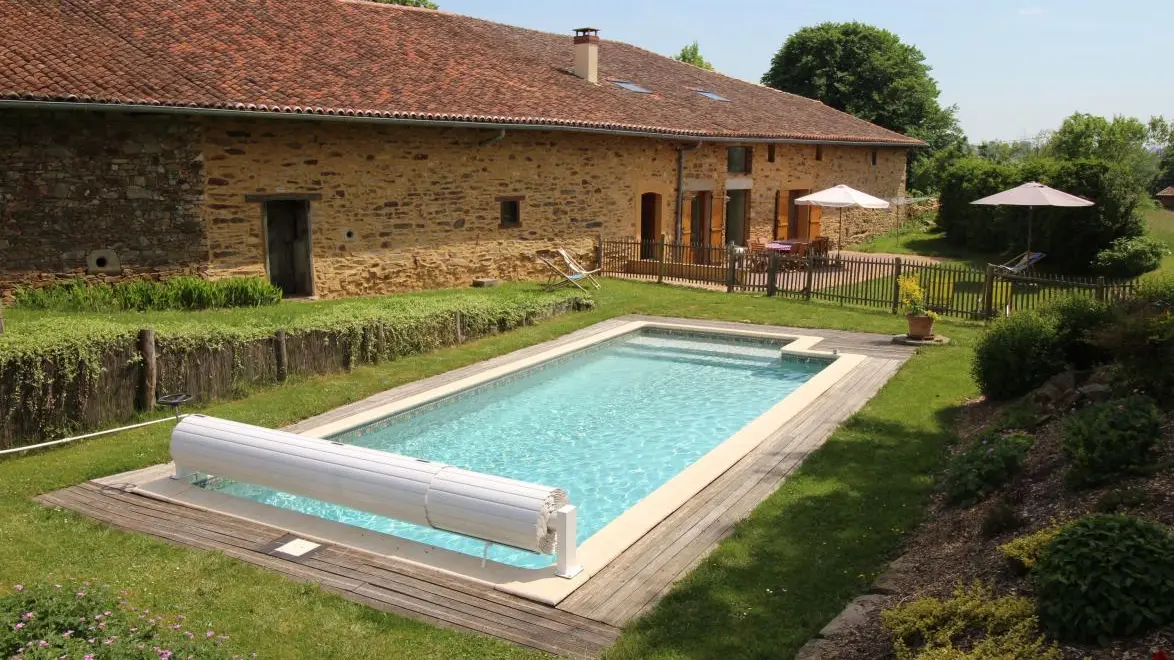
pixel 586 622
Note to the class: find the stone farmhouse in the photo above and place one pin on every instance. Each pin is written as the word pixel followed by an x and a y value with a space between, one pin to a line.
pixel 343 147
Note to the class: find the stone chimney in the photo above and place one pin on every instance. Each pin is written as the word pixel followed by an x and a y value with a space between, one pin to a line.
pixel 587 54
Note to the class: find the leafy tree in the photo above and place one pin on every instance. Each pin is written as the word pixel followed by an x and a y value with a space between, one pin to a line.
pixel 1162 135
pixel 870 73
pixel 691 54
pixel 426 4
pixel 1126 141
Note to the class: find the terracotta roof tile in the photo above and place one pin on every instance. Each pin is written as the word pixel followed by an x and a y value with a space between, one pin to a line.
pixel 355 58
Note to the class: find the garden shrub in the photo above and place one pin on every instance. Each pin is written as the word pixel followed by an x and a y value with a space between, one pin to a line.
pixel 1106 576
pixel 1023 552
pixel 972 625
pixel 1017 354
pixel 1124 498
pixel 1021 415
pixel 1156 293
pixel 1076 319
pixel 88 621
pixel 1130 256
pixel 985 467
pixel 1000 517
pixel 1110 439
pixel 185 293
pixel 1141 342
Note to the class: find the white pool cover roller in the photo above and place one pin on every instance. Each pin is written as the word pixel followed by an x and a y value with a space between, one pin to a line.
pixel 504 511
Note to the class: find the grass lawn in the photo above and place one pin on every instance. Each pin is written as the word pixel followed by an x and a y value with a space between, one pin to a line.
pixel 917 239
pixel 787 570
pixel 1160 224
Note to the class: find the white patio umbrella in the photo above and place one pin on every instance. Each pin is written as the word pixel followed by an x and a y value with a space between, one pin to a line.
pixel 842 197
pixel 1031 195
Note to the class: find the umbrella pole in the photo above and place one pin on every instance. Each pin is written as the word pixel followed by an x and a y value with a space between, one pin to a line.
pixel 1030 217
pixel 840 245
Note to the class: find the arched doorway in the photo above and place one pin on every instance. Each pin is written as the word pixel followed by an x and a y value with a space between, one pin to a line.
pixel 649 224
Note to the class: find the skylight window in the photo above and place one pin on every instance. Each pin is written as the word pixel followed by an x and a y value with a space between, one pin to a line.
pixel 713 96
pixel 632 87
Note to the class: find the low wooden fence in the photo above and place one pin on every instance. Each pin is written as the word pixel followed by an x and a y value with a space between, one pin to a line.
pixel 952 290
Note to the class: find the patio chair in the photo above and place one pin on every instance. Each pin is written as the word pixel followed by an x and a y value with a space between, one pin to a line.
pixel 1020 263
pixel 577 269
pixel 558 278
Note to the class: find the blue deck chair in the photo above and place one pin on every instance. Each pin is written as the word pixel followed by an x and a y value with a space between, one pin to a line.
pixel 1020 263
pixel 558 278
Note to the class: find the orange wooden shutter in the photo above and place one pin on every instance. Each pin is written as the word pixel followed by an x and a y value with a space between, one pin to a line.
pixel 717 227
pixel 687 219
pixel 814 222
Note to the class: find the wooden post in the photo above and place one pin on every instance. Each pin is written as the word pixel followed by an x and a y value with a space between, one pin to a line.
pixel 772 273
pixel 460 331
pixel 809 275
pixel 988 293
pixel 380 344
pixel 599 254
pixel 896 284
pixel 1101 288
pixel 1 317
pixel 660 256
pixel 150 372
pixel 731 268
pixel 281 356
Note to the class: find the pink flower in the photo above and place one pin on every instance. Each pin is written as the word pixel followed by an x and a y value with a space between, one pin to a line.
pixel 19 626
pixel 42 643
pixel 26 616
pixel 19 587
pixel 210 633
pixel 88 656
pixel 189 634
pixel 67 633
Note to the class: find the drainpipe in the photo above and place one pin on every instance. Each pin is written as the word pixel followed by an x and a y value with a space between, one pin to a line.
pixel 681 188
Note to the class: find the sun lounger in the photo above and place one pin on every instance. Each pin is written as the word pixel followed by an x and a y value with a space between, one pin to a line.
pixel 1021 263
pixel 577 269
pixel 558 278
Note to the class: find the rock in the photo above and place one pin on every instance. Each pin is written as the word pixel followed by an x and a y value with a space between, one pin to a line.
pixel 1058 392
pixel 1096 392
pixel 485 282
pixel 853 615
pixel 887 583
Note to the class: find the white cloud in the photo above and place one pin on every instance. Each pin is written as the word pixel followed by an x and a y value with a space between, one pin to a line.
pixel 1032 11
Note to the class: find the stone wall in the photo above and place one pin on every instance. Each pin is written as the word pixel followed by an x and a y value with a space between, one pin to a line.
pixel 391 208
pixel 98 195
pixel 398 208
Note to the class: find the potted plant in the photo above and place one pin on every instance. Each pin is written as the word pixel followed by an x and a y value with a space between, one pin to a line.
pixel 913 301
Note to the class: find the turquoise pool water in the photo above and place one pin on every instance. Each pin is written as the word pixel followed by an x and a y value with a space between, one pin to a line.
pixel 610 424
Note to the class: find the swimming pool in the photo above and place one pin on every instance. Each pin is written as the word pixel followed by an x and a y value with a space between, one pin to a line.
pixel 610 423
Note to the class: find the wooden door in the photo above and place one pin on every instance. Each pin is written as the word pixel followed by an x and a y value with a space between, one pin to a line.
pixel 814 222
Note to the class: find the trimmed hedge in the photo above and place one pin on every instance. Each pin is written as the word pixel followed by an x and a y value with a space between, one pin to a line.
pixel 1071 237
pixel 65 373
pixel 185 293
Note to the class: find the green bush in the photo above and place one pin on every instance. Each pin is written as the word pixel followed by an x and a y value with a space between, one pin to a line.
pixel 1077 319
pixel 1156 293
pixel 1110 439
pixel 973 625
pixel 1116 500
pixel 1017 354
pixel 186 293
pixel 1071 237
pixel 985 467
pixel 1024 552
pixel 87 621
pixel 1141 342
pixel 1130 256
pixel 1106 576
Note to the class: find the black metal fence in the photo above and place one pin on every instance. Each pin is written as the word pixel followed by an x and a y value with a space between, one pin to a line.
pixel 953 290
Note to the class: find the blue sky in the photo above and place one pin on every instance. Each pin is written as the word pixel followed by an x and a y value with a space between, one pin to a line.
pixel 1013 68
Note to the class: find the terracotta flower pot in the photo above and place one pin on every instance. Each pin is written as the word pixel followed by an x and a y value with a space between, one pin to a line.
pixel 920 327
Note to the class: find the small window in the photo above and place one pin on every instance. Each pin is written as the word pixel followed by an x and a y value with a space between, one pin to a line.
pixel 738 159
pixel 819 152
pixel 511 211
pixel 770 153
pixel 632 87
pixel 874 157
pixel 713 96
